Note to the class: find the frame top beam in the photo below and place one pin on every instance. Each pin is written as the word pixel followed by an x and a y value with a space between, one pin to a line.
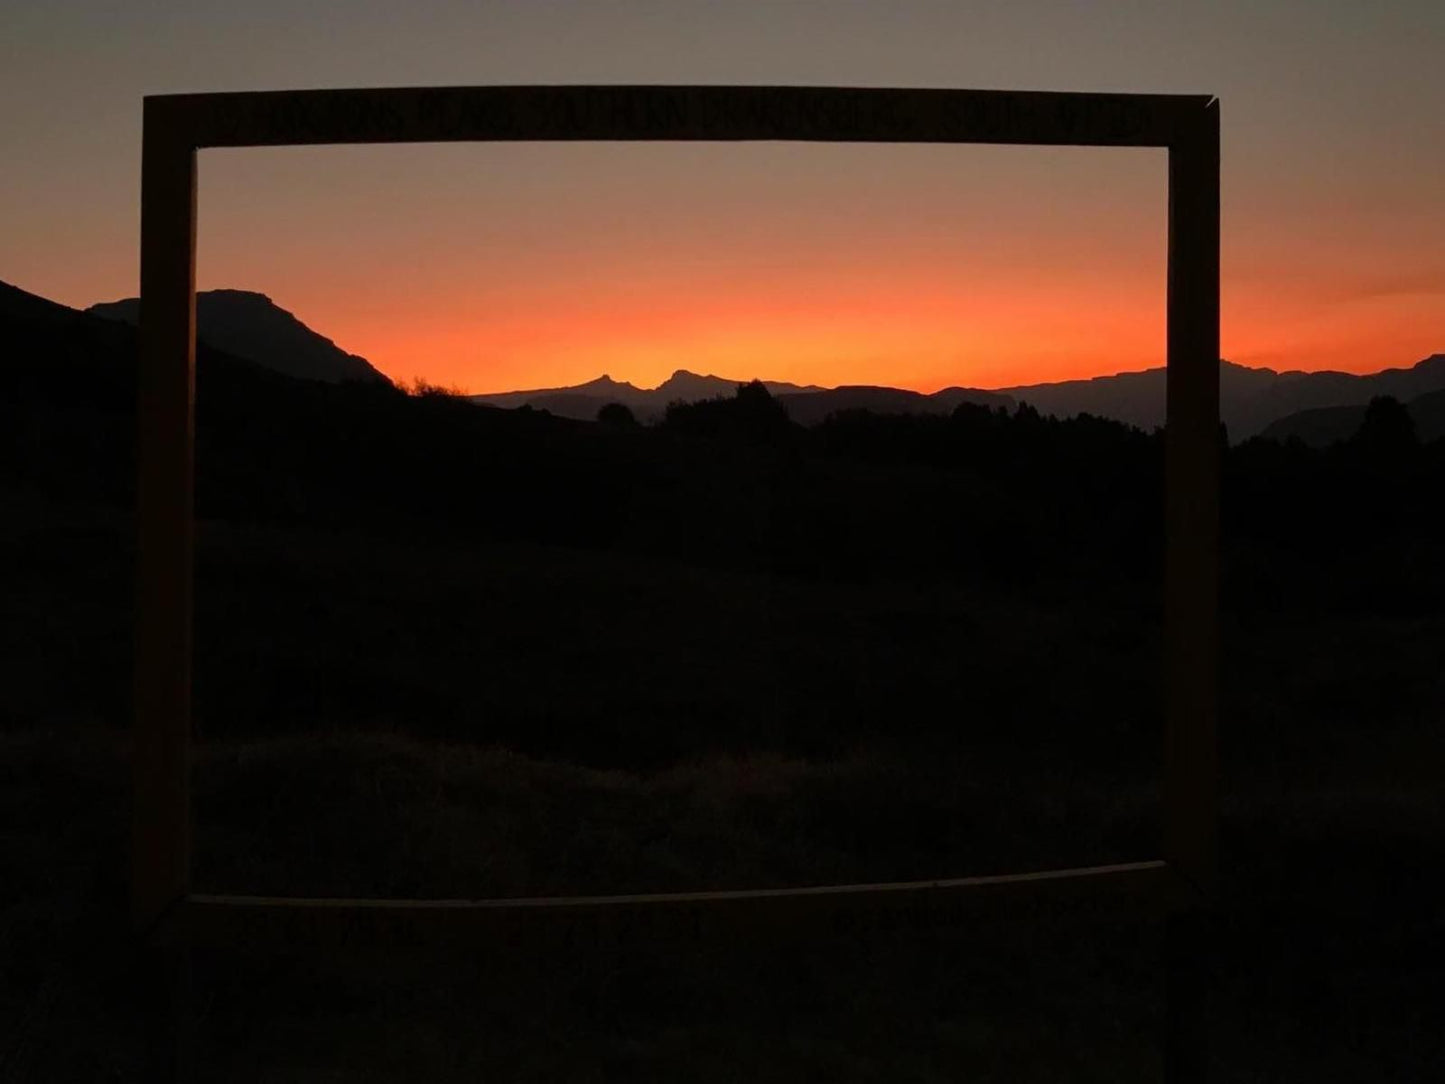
pixel 721 113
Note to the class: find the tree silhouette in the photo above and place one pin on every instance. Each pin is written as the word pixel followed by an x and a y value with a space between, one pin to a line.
pixel 752 414
pixel 1388 431
pixel 617 416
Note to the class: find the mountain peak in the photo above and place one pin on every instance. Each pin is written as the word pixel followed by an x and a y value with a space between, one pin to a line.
pixel 250 325
pixel 605 383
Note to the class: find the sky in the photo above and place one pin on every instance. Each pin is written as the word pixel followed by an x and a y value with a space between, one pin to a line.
pixel 492 267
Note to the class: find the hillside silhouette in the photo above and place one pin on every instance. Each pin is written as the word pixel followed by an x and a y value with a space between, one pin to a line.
pixel 251 326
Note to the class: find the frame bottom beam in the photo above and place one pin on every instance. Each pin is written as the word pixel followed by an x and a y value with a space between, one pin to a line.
pixel 1149 888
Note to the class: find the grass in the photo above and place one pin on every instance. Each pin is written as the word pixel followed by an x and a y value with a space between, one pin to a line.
pixel 1329 965
pixel 388 816
pixel 1331 952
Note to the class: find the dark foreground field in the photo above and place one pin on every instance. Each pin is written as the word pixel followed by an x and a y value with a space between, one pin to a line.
pixel 401 716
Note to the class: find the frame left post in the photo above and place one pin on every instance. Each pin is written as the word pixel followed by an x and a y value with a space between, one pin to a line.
pixel 165 421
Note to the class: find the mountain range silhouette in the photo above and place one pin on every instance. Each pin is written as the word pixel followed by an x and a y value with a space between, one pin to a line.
pixel 1316 407
pixel 1252 400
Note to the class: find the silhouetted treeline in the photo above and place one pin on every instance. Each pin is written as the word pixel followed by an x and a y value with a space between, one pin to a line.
pixel 1354 527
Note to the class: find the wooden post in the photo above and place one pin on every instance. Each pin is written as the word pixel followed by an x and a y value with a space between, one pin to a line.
pixel 161 730
pixel 1192 451
pixel 1191 572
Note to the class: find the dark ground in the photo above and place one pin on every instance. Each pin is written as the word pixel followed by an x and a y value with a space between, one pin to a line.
pixel 726 653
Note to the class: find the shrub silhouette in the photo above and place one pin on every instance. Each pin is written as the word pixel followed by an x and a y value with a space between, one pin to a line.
pixel 425 389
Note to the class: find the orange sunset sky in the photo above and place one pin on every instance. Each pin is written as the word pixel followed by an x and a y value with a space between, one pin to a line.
pixel 493 267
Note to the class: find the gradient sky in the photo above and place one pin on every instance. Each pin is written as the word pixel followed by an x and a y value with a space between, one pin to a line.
pixel 503 266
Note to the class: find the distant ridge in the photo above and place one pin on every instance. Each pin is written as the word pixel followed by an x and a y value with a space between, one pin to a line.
pixel 1249 399
pixel 570 401
pixel 805 404
pixel 251 326
pixel 583 401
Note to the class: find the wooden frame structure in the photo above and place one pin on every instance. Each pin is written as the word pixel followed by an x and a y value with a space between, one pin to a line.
pixel 177 126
